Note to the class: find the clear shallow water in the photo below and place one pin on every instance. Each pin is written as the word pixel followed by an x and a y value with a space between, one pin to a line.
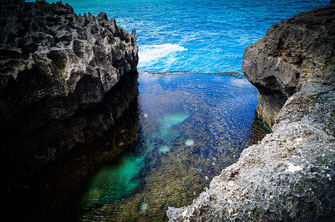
pixel 195 35
pixel 191 126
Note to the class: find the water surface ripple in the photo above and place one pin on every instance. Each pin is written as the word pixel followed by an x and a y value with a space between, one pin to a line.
pixel 191 126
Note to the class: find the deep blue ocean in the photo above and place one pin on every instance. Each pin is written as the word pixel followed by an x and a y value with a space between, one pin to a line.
pixel 195 35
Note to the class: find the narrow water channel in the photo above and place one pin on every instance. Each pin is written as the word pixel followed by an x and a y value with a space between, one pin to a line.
pixel 190 126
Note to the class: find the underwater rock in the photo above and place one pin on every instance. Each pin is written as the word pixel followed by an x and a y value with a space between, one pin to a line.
pixel 144 207
pixel 56 69
pixel 289 175
pixel 189 142
pixel 164 149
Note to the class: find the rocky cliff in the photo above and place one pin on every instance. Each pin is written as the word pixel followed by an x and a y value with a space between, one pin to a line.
pixel 291 53
pixel 290 174
pixel 64 80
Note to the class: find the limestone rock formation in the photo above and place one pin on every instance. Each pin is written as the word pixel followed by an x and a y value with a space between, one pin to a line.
pixel 47 52
pixel 290 53
pixel 290 174
pixel 56 69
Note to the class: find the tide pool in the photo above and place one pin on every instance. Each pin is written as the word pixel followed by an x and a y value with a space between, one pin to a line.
pixel 191 126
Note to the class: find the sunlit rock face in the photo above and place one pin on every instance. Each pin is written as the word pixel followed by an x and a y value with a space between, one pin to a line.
pixel 291 53
pixel 289 175
pixel 56 68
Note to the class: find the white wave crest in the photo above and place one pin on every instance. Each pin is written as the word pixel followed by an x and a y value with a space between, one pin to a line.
pixel 149 54
pixel 240 82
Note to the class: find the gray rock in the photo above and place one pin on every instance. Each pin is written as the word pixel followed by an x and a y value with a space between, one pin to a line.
pixel 56 69
pixel 47 51
pixel 290 53
pixel 289 175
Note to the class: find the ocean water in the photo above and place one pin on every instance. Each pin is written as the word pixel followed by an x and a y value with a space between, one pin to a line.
pixel 195 35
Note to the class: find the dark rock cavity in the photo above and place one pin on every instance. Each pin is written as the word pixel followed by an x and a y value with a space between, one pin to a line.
pixel 64 80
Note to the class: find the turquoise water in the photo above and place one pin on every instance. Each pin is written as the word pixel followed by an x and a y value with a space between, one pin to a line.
pixel 191 126
pixel 119 181
pixel 195 35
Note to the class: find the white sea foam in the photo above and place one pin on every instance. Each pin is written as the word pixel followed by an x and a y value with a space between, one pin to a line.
pixel 240 82
pixel 149 54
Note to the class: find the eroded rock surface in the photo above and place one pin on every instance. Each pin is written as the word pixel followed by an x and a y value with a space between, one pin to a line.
pixel 56 68
pixel 47 51
pixel 290 174
pixel 291 53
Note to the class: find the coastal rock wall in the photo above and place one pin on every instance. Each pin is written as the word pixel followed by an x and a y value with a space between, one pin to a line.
pixel 49 52
pixel 290 174
pixel 64 80
pixel 291 53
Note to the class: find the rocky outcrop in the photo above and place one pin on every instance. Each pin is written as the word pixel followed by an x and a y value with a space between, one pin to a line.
pixel 290 53
pixel 290 174
pixel 56 69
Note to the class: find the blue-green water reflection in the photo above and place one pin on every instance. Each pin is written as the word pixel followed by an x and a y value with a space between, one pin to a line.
pixel 192 125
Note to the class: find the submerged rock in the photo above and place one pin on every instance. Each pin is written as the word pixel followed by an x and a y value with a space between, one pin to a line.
pixel 189 142
pixel 144 207
pixel 163 149
pixel 290 174
pixel 56 69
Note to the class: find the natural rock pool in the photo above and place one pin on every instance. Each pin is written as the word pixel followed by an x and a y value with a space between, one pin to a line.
pixel 190 127
pixel 182 129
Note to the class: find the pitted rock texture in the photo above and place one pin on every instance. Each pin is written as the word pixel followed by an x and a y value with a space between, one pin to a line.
pixel 47 52
pixel 291 52
pixel 56 68
pixel 290 174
